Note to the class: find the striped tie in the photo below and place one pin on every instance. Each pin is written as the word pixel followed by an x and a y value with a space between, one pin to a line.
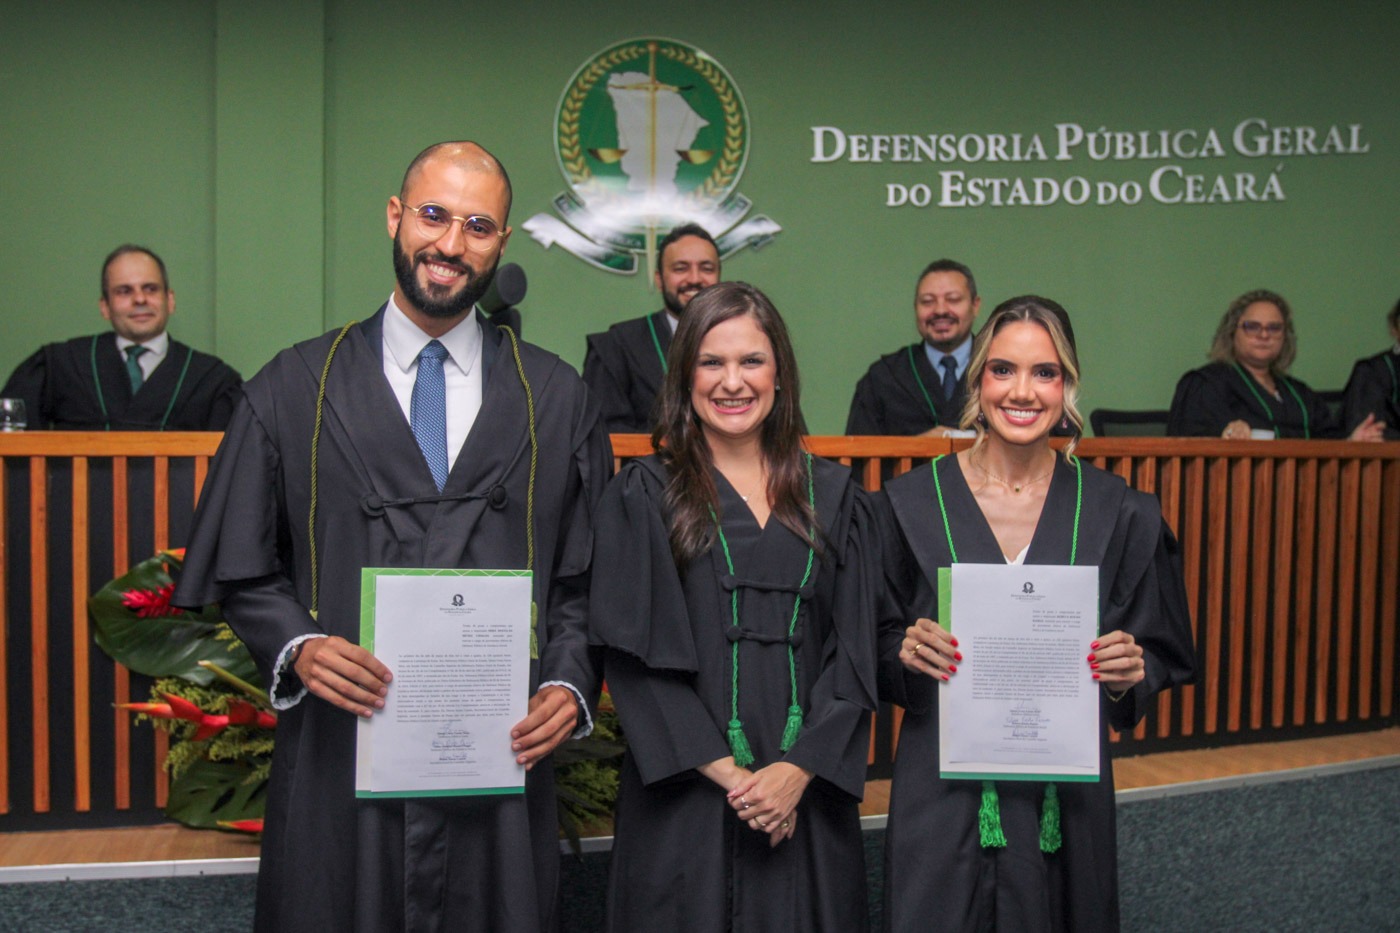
pixel 427 412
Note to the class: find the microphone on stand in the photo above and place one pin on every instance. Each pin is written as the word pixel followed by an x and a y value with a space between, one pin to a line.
pixel 507 290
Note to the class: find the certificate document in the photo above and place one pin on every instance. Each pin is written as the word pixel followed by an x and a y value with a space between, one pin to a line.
pixel 458 644
pixel 1022 705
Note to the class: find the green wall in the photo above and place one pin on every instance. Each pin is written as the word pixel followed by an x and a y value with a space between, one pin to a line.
pixel 254 144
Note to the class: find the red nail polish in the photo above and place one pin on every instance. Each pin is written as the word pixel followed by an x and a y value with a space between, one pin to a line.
pixel 1095 645
pixel 957 655
pixel 955 642
pixel 953 668
pixel 945 676
pixel 1094 666
pixel 1090 658
pixel 1096 676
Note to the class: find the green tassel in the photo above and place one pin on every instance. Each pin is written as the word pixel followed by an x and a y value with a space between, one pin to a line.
pixel 1050 821
pixel 794 726
pixel 739 744
pixel 534 631
pixel 989 819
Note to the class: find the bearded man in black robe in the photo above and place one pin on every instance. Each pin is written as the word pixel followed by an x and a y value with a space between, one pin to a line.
pixel 625 364
pixel 512 486
pixel 921 388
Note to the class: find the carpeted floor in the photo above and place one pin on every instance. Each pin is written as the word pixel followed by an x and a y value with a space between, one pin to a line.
pixel 1315 854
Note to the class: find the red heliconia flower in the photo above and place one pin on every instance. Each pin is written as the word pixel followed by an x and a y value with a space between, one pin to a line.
pixel 246 714
pixel 243 826
pixel 209 724
pixel 151 604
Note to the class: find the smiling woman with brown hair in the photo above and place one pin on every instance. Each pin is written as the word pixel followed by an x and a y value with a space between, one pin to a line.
pixel 733 597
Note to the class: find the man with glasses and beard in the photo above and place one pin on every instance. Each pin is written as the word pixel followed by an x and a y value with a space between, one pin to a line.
pixel 422 437
pixel 625 364
pixel 920 389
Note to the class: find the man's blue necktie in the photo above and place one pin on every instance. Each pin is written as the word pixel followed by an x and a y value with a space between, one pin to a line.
pixel 950 377
pixel 427 412
pixel 133 366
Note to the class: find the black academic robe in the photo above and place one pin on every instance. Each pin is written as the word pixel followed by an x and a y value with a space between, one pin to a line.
pixel 330 861
pixel 937 876
pixel 681 859
pixel 895 398
pixel 1211 397
pixel 623 371
pixel 1374 389
pixel 62 391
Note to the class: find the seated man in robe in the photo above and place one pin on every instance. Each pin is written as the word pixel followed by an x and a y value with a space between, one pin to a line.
pixel 135 378
pixel 1374 387
pixel 919 389
pixel 624 365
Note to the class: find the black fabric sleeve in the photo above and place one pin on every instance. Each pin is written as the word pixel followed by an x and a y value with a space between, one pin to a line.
pixel 835 736
pixel 605 374
pixel 1148 600
pixel 1199 408
pixel 865 416
pixel 894 613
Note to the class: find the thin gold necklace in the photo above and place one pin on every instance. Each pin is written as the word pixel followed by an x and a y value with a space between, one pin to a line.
pixel 1015 488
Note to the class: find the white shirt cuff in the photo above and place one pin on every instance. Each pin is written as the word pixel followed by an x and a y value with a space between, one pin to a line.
pixel 282 667
pixel 586 727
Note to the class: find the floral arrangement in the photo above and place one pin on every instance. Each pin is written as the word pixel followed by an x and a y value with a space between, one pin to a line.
pixel 207 695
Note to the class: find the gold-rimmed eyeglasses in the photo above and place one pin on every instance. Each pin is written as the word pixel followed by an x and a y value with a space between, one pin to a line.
pixel 480 233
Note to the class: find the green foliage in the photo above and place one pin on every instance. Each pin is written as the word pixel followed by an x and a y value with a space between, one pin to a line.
pixel 212 791
pixel 586 774
pixel 163 641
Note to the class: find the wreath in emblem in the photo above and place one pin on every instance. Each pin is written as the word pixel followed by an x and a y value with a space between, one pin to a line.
pixel 571 153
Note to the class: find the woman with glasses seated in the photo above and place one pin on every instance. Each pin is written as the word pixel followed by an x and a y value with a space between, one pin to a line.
pixel 1245 391
pixel 733 596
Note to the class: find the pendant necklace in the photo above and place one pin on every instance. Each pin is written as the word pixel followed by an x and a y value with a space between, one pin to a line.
pixel 1015 488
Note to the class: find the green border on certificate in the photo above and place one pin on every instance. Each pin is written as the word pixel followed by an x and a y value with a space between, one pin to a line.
pixel 369 578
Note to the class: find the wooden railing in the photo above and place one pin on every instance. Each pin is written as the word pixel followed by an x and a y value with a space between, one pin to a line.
pixel 1291 550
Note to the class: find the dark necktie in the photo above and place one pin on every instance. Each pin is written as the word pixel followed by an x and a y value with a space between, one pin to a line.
pixel 950 377
pixel 133 366
pixel 427 411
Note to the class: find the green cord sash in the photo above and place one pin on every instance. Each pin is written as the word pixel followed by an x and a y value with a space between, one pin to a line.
pixel 989 831
pixel 656 341
pixel 529 489
pixel 914 368
pixel 102 400
pixel 1268 410
pixel 738 741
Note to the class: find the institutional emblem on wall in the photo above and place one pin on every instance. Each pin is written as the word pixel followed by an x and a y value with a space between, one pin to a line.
pixel 650 133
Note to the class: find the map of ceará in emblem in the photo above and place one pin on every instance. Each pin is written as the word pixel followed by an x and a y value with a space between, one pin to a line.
pixel 650 133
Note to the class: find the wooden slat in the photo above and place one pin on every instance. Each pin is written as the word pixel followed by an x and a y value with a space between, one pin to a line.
pixel 1219 503
pixel 871 477
pixel 1326 573
pixel 39 628
pixel 4 641
pixel 1350 486
pixel 1239 498
pixel 1390 592
pixel 1191 546
pixel 121 678
pixel 201 470
pixel 1305 599
pixel 1259 586
pixel 82 693
pixel 161 524
pixel 1170 495
pixel 1370 544
pixel 1285 494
